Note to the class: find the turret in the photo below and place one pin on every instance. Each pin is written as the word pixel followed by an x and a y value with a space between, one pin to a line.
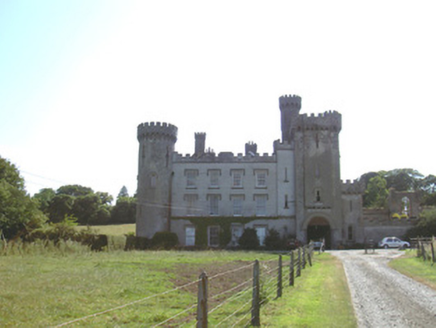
pixel 250 149
pixel 156 146
pixel 290 106
pixel 200 143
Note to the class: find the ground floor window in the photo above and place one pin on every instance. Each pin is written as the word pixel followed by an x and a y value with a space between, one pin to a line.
pixel 236 234
pixel 190 236
pixel 261 234
pixel 213 233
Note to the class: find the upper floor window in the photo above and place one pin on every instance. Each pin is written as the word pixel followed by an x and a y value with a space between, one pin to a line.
pixel 214 204
pixel 261 178
pixel 191 178
pixel 191 204
pixel 237 203
pixel 237 176
pixel 214 176
pixel 260 204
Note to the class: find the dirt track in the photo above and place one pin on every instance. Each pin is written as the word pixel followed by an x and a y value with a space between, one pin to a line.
pixel 381 296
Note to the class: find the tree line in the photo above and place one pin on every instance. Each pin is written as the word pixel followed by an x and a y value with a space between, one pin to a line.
pixel 20 213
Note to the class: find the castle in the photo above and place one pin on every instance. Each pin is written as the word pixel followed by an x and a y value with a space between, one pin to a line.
pixel 208 199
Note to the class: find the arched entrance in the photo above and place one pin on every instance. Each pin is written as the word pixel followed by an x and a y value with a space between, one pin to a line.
pixel 318 229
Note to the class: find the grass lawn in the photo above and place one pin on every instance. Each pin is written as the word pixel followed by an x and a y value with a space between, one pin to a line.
pixel 319 298
pixel 415 268
pixel 51 288
pixel 112 230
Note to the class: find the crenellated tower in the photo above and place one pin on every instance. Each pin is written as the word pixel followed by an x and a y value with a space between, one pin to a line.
pixel 290 106
pixel 156 148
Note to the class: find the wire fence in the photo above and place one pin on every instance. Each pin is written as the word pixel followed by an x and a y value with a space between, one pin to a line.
pixel 228 299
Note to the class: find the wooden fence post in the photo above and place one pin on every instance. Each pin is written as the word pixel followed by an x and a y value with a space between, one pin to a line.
pixel 424 256
pixel 279 278
pixel 304 257
pixel 202 301
pixel 291 272
pixel 255 305
pixel 432 252
pixel 309 256
pixel 299 263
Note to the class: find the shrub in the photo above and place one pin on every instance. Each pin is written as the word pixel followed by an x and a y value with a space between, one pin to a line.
pixel 249 239
pixel 139 243
pixel 273 241
pixel 164 239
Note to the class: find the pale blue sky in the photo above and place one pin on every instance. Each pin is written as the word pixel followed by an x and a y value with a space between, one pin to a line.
pixel 77 77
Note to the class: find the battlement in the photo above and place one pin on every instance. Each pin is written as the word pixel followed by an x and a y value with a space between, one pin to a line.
pixel 323 121
pixel 157 130
pixel 290 101
pixel 353 187
pixel 224 157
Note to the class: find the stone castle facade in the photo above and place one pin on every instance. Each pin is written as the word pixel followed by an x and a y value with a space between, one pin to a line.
pixel 208 199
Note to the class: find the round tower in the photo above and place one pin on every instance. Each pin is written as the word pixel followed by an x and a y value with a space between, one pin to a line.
pixel 290 106
pixel 156 147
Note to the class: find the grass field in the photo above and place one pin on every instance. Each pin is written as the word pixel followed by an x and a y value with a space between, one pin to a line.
pixel 415 268
pixel 51 288
pixel 111 230
pixel 320 298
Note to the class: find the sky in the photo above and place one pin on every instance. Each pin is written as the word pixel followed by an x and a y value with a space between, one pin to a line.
pixel 78 76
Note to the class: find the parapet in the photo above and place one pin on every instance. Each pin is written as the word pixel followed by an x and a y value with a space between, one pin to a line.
pixel 331 120
pixel 355 187
pixel 290 101
pixel 157 130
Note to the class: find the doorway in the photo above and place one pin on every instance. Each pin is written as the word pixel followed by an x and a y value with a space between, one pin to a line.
pixel 318 229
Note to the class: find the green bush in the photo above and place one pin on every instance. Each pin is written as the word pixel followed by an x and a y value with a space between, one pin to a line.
pixel 249 239
pixel 165 240
pixel 139 243
pixel 273 241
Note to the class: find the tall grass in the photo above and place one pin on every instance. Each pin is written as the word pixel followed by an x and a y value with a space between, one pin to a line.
pixel 416 268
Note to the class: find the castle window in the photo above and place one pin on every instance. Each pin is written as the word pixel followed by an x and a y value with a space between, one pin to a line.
pixel 237 178
pixel 405 202
pixel 237 201
pixel 317 140
pixel 191 177
pixel 153 180
pixel 286 175
pixel 261 178
pixel 214 204
pixel 351 206
pixel 260 204
pixel 190 236
pixel 191 202
pixel 236 233
pixel 318 195
pixel 350 232
pixel 214 178
pixel 261 234
pixel 213 236
pixel 286 201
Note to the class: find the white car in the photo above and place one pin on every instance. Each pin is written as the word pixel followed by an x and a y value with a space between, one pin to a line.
pixel 393 242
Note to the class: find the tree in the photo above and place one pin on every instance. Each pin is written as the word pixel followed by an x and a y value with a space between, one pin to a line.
pixel 44 197
pixel 124 210
pixel 376 192
pixel 59 207
pixel 19 214
pixel 74 190
pixel 123 192
pixel 426 227
pixel 403 179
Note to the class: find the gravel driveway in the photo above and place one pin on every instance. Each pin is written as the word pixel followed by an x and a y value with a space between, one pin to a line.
pixel 381 296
